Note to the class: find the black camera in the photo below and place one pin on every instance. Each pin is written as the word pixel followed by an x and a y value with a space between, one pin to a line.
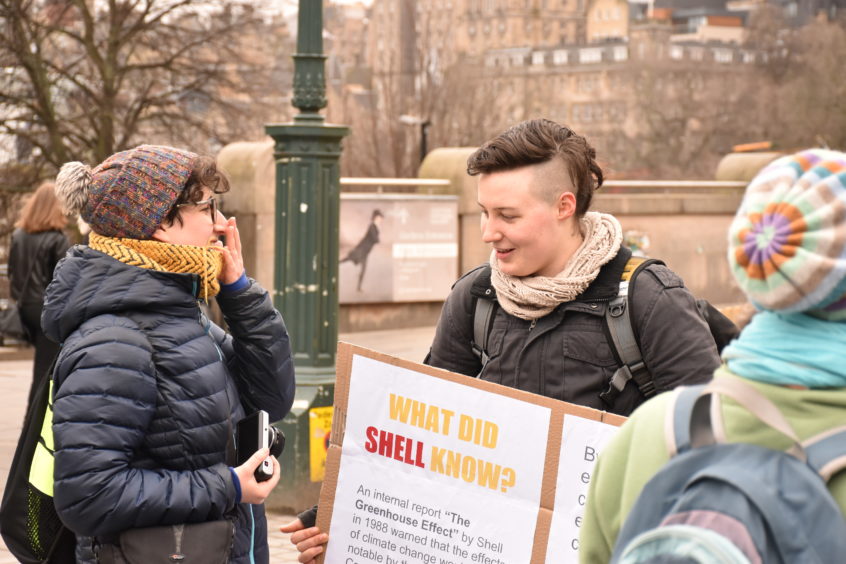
pixel 254 433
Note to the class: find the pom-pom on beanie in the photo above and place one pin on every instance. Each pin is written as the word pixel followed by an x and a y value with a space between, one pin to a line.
pixel 787 243
pixel 128 194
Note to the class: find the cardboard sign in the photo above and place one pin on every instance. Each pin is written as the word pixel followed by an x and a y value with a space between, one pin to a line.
pixel 429 466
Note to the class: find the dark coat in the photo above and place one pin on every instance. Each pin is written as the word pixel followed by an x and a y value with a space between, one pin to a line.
pixel 148 392
pixel 567 356
pixel 36 251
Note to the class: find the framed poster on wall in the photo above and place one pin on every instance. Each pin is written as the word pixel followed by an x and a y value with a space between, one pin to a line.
pixel 397 247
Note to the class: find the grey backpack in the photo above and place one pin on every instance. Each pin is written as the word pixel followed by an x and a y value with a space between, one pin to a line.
pixel 716 502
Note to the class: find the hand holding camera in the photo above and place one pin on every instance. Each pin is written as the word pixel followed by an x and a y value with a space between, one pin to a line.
pixel 258 445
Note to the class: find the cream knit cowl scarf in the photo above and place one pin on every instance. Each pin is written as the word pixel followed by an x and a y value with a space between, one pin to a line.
pixel 532 297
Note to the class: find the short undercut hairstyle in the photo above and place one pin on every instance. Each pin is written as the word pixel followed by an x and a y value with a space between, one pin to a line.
pixel 539 141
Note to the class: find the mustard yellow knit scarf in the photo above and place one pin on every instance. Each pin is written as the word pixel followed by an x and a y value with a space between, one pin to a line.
pixel 205 262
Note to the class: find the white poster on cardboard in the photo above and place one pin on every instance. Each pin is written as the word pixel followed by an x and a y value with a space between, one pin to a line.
pixel 581 442
pixel 434 471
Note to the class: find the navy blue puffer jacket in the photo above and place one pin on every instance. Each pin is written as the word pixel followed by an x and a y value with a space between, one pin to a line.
pixel 147 395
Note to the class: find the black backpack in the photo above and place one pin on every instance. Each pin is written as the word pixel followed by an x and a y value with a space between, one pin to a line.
pixel 617 321
pixel 29 522
pixel 718 502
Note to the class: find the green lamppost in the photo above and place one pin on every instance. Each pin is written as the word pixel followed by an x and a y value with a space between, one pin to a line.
pixel 307 154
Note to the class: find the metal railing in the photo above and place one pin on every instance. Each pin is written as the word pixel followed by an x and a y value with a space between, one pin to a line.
pixel 401 185
pixel 676 185
pixel 610 187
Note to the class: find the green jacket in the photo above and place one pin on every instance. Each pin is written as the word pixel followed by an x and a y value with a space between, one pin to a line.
pixel 639 450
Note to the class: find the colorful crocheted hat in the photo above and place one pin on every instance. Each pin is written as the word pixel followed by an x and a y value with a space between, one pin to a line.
pixel 787 243
pixel 128 194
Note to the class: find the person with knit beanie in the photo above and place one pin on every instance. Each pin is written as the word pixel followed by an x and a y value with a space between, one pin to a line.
pixel 147 390
pixel 787 252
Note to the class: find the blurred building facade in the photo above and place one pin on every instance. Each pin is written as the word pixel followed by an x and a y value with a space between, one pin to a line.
pixel 575 61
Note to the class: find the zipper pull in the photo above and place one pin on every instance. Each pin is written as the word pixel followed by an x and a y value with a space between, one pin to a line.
pixel 532 325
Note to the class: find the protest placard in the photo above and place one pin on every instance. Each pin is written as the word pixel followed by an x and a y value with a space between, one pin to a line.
pixel 581 443
pixel 429 466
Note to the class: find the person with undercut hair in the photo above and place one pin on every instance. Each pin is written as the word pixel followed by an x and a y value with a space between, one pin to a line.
pixel 554 268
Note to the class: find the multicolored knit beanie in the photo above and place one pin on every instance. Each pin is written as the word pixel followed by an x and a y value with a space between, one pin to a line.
pixel 128 194
pixel 787 243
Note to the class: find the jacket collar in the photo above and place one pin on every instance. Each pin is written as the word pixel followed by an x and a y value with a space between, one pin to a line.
pixel 607 283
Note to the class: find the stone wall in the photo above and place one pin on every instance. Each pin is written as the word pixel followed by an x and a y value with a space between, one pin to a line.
pixel 687 230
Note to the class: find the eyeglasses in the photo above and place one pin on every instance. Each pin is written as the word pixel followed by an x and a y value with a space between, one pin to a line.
pixel 210 202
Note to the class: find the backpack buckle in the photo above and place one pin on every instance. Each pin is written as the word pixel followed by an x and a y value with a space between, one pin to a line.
pixel 620 378
pixel 616 308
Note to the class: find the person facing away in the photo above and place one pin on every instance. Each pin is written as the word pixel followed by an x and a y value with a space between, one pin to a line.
pixel 38 243
pixel 147 390
pixel 554 267
pixel 787 252
pixel 358 255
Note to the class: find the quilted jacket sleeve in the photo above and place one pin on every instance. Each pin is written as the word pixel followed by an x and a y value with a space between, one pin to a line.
pixel 257 350
pixel 105 400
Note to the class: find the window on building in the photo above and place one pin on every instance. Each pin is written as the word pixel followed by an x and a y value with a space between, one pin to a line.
pixel 695 23
pixel 559 57
pixel 590 55
pixel 538 58
pixel 748 57
pixel 791 10
pixel 697 53
pixel 723 55
pixel 677 52
pixel 621 53
pixel 589 83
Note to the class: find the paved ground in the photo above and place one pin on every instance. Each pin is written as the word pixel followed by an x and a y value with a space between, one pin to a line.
pixel 16 373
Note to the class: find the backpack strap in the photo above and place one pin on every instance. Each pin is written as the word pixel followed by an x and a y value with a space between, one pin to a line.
pixel 482 320
pixel 619 323
pixel 692 423
pixel 688 402
pixel 484 308
pixel 827 452
pixel 41 465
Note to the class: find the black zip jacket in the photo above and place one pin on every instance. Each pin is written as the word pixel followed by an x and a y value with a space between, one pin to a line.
pixel 566 355
pixel 36 251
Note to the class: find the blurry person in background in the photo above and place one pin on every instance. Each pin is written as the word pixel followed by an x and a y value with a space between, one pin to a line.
pixel 37 245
